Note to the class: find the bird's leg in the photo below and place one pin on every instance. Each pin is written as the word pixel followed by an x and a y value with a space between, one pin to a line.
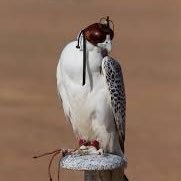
pixel 89 147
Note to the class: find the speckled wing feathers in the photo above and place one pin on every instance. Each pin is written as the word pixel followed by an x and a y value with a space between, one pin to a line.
pixel 115 84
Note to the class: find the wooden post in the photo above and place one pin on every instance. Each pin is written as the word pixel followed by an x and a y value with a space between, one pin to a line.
pixel 90 175
pixel 92 164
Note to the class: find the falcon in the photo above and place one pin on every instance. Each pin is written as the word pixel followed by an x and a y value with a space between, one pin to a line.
pixel 91 87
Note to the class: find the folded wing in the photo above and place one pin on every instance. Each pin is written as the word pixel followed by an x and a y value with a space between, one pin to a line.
pixel 115 85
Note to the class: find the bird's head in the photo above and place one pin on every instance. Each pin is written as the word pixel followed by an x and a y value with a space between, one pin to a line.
pixel 99 34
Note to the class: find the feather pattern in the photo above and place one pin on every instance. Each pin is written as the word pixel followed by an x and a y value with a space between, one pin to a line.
pixel 115 85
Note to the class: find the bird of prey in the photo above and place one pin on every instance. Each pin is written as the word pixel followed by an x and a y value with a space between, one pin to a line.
pixel 91 87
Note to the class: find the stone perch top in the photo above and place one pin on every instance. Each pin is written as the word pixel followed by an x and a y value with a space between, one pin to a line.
pixel 93 162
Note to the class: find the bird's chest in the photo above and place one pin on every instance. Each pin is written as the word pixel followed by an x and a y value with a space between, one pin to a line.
pixel 84 100
pixel 73 67
pixel 85 105
pixel 73 74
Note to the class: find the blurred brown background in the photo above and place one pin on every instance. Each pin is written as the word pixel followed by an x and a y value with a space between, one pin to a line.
pixel 147 41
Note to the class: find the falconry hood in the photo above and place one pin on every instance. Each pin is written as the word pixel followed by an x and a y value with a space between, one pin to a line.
pixel 94 33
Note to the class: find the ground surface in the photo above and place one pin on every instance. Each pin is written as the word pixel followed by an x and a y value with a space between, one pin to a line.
pixel 147 41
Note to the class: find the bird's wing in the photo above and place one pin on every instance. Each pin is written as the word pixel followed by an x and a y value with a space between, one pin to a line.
pixel 62 93
pixel 64 101
pixel 115 85
pixel 59 96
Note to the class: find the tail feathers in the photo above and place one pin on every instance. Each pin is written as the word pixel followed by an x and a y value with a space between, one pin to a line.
pixel 125 178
